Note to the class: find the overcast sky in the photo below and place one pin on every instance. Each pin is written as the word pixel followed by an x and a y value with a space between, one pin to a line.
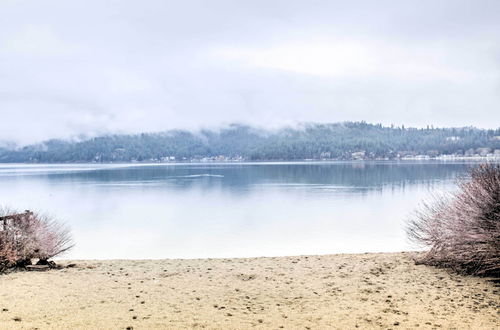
pixel 89 67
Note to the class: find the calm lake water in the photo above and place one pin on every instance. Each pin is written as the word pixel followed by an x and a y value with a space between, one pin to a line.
pixel 228 210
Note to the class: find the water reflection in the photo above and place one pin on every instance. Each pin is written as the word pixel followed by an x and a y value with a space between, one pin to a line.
pixel 209 176
pixel 228 210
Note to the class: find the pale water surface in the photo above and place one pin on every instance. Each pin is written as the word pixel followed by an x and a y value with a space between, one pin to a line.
pixel 228 210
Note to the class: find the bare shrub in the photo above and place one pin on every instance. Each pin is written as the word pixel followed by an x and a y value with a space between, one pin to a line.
pixel 462 229
pixel 28 235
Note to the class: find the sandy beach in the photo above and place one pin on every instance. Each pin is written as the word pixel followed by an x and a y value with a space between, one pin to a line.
pixel 308 292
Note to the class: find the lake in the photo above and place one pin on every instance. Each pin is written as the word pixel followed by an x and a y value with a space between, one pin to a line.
pixel 149 211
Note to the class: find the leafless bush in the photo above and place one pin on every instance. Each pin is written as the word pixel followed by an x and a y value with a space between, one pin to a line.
pixel 462 229
pixel 28 235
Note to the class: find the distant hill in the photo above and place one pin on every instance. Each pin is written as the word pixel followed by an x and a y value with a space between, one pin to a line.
pixel 342 141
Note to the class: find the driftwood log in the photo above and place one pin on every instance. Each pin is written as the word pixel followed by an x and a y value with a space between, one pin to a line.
pixel 37 268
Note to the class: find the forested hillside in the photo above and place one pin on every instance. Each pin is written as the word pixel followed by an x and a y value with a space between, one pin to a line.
pixel 352 140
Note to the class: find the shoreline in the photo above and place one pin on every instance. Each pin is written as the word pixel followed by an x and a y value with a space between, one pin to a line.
pixel 370 290
pixel 407 160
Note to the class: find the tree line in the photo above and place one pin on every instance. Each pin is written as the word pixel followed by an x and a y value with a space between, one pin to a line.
pixel 341 141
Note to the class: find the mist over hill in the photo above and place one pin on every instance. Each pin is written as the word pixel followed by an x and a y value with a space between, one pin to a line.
pixel 336 141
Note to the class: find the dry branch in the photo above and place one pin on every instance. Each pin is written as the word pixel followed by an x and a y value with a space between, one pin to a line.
pixel 28 235
pixel 462 229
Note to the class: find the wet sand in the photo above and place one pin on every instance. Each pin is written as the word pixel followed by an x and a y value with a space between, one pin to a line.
pixel 308 292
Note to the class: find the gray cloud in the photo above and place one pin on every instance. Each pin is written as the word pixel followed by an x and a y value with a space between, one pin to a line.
pixel 92 67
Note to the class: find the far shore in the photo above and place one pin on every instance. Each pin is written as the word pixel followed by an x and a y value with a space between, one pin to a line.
pixel 404 160
pixel 344 291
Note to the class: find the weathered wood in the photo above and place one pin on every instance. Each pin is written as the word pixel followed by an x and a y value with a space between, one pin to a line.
pixel 37 268
pixel 14 216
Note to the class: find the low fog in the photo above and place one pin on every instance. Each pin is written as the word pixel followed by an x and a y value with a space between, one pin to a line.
pixel 72 69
